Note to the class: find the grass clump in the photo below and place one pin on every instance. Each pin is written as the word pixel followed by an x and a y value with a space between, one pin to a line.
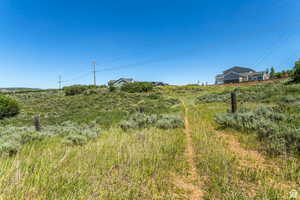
pixel 9 107
pixel 75 90
pixel 76 139
pixel 265 93
pixel 141 120
pixel 13 138
pixel 137 87
pixel 276 130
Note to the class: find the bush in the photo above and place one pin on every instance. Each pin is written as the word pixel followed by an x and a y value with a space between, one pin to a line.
pixel 9 147
pixel 169 122
pixel 75 90
pixel 137 87
pixel 296 73
pixel 271 127
pixel 8 107
pixel 12 138
pixel 141 120
pixel 76 139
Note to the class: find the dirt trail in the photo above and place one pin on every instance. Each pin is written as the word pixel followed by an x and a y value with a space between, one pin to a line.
pixel 188 183
pixel 255 160
pixel 247 158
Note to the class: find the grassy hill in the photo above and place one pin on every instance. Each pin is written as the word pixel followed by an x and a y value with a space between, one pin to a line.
pixel 118 145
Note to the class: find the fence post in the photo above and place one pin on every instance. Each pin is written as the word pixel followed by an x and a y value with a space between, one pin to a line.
pixel 37 123
pixel 233 102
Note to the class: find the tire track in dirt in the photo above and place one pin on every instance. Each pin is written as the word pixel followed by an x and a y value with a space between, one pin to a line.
pixel 188 183
pixel 255 160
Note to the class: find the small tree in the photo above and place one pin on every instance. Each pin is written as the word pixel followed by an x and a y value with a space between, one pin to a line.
pixel 296 73
pixel 8 107
pixel 137 87
pixel 272 72
pixel 111 87
pixel 75 89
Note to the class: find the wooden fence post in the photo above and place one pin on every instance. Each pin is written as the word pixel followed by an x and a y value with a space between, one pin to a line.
pixel 37 122
pixel 233 102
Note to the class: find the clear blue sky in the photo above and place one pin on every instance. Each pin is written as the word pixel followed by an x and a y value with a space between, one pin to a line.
pixel 176 41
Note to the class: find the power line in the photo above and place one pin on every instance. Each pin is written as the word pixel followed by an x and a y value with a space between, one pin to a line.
pixel 137 64
pixel 284 37
pixel 146 62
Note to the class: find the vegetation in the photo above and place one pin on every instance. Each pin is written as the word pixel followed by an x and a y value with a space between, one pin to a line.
pixel 279 131
pixel 8 107
pixel 265 93
pixel 74 90
pixel 174 142
pixel 141 120
pixel 102 107
pixel 12 138
pixel 136 87
pixel 296 74
pixel 272 72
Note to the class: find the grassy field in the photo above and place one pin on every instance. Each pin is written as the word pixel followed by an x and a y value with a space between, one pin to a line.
pixel 84 153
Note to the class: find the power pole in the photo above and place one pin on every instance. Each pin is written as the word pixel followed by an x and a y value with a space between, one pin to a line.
pixel 94 71
pixel 59 82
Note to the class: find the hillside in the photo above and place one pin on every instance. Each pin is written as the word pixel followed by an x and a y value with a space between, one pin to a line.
pixel 17 89
pixel 176 142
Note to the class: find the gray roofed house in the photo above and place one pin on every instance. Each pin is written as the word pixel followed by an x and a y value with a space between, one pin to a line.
pixel 159 83
pixel 239 69
pixel 120 82
pixel 240 74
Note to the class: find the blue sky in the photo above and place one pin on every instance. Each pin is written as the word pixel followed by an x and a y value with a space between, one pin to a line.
pixel 176 41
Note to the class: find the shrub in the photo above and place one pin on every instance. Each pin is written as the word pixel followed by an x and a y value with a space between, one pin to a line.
pixel 210 98
pixel 8 107
pixel 169 122
pixel 76 139
pixel 141 120
pixel 111 87
pixel 137 87
pixel 130 124
pixel 271 127
pixel 75 90
pixel 290 98
pixel 9 147
pixel 296 73
pixel 12 138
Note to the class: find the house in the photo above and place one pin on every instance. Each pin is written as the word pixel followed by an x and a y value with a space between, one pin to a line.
pixel 240 74
pixel 120 82
pixel 159 83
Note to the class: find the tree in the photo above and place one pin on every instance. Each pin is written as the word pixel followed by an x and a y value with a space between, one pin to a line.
pixel 9 107
pixel 272 72
pixel 111 87
pixel 137 87
pixel 267 71
pixel 296 73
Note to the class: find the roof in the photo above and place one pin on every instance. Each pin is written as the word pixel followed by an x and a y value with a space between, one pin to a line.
pixel 234 75
pixel 220 76
pixel 126 80
pixel 238 69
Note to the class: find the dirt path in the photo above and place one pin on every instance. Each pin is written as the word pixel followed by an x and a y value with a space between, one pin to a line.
pixel 255 160
pixel 247 158
pixel 190 183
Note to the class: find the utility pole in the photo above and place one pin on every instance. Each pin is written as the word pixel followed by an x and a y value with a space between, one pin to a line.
pixel 94 71
pixel 59 82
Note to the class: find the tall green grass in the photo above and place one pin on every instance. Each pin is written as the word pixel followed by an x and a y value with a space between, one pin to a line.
pixel 135 165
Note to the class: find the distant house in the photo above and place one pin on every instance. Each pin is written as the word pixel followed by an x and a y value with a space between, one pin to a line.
pixel 120 82
pixel 159 83
pixel 240 74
